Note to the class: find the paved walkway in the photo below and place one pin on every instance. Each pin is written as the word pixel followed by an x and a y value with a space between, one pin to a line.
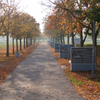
pixel 38 77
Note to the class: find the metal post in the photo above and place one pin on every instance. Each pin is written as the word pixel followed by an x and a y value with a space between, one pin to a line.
pixel 93 50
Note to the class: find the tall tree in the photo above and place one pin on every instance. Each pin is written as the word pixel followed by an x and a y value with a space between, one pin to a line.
pixel 8 8
pixel 83 11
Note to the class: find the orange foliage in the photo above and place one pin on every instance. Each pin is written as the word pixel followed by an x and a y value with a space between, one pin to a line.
pixel 79 28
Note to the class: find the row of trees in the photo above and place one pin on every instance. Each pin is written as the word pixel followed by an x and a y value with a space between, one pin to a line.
pixel 73 16
pixel 16 23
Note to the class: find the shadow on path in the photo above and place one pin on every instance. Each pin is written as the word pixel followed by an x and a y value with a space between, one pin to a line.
pixel 38 77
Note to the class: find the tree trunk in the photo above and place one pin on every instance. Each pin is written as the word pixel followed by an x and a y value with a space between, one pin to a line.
pixel 68 38
pixel 73 39
pixel 34 40
pixel 24 43
pixel 7 41
pixel 20 45
pixel 81 37
pixel 96 38
pixel 63 39
pixel 13 44
pixel 95 41
pixel 31 41
pixel 27 43
pixel 60 37
pixel 96 34
pixel 58 40
pixel 16 44
pixel 7 53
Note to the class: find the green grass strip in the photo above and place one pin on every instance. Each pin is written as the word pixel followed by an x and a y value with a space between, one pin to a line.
pixel 74 80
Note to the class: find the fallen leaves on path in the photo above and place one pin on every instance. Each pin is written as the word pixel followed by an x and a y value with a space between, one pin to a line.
pixel 8 64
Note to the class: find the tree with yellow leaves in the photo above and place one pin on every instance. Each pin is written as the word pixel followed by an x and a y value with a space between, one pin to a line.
pixel 20 25
pixel 8 8
pixel 24 26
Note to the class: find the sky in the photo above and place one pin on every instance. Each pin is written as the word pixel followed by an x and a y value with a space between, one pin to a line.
pixel 35 9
